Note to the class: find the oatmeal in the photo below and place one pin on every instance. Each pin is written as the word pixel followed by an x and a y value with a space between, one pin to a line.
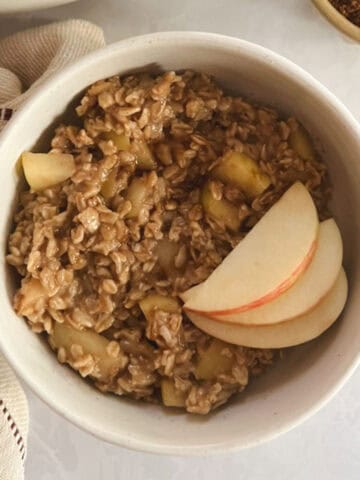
pixel 145 207
pixel 350 9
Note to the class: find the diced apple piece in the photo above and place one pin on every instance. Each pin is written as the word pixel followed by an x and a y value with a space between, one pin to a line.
pixel 166 252
pixel 221 210
pixel 285 334
pixel 43 170
pixel 155 302
pixel 266 262
pixel 65 336
pixel 30 293
pixel 311 287
pixel 136 194
pixel 109 187
pixel 242 171
pixel 213 361
pixel 171 397
pixel 121 141
pixel 300 141
pixel 144 157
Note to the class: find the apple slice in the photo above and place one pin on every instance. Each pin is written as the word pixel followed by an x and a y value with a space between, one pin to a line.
pixel 285 334
pixel 310 288
pixel 266 262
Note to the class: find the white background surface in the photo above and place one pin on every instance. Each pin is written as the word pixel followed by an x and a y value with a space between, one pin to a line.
pixel 327 447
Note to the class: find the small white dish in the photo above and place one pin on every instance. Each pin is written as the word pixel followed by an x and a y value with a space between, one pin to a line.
pixel 337 19
pixel 294 388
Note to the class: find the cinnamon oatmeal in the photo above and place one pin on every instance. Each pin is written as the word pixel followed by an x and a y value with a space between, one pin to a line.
pixel 147 210
pixel 350 9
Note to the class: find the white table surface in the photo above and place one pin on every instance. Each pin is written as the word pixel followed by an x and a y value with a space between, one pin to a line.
pixel 327 447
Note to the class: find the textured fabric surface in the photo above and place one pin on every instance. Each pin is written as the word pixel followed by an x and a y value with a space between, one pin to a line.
pixel 26 60
pixel 30 57
pixel 13 424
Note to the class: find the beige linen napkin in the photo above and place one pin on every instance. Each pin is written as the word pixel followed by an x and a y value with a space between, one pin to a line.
pixel 26 60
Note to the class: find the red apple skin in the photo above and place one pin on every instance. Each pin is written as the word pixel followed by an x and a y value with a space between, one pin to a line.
pixel 295 331
pixel 329 250
pixel 289 282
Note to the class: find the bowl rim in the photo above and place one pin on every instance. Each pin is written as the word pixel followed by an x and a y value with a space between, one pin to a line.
pixel 287 68
pixel 338 20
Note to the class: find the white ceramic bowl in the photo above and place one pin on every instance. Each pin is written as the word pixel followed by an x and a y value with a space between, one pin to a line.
pixel 309 375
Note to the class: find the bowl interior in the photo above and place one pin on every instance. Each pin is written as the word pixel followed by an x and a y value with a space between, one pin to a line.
pixel 307 376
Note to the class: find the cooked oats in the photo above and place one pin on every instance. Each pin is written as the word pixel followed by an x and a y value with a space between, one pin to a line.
pixel 131 222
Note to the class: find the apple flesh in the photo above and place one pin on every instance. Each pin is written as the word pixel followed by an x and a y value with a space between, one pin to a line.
pixel 172 397
pixel 214 360
pixel 64 336
pixel 310 288
pixel 31 295
pixel 300 141
pixel 110 187
pixel 268 261
pixel 120 141
pixel 144 157
pixel 43 170
pixel 137 194
pixel 223 211
pixel 241 170
pixel 153 302
pixel 285 334
pixel 166 251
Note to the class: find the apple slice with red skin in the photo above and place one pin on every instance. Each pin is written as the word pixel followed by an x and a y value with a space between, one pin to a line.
pixel 285 334
pixel 266 262
pixel 310 288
